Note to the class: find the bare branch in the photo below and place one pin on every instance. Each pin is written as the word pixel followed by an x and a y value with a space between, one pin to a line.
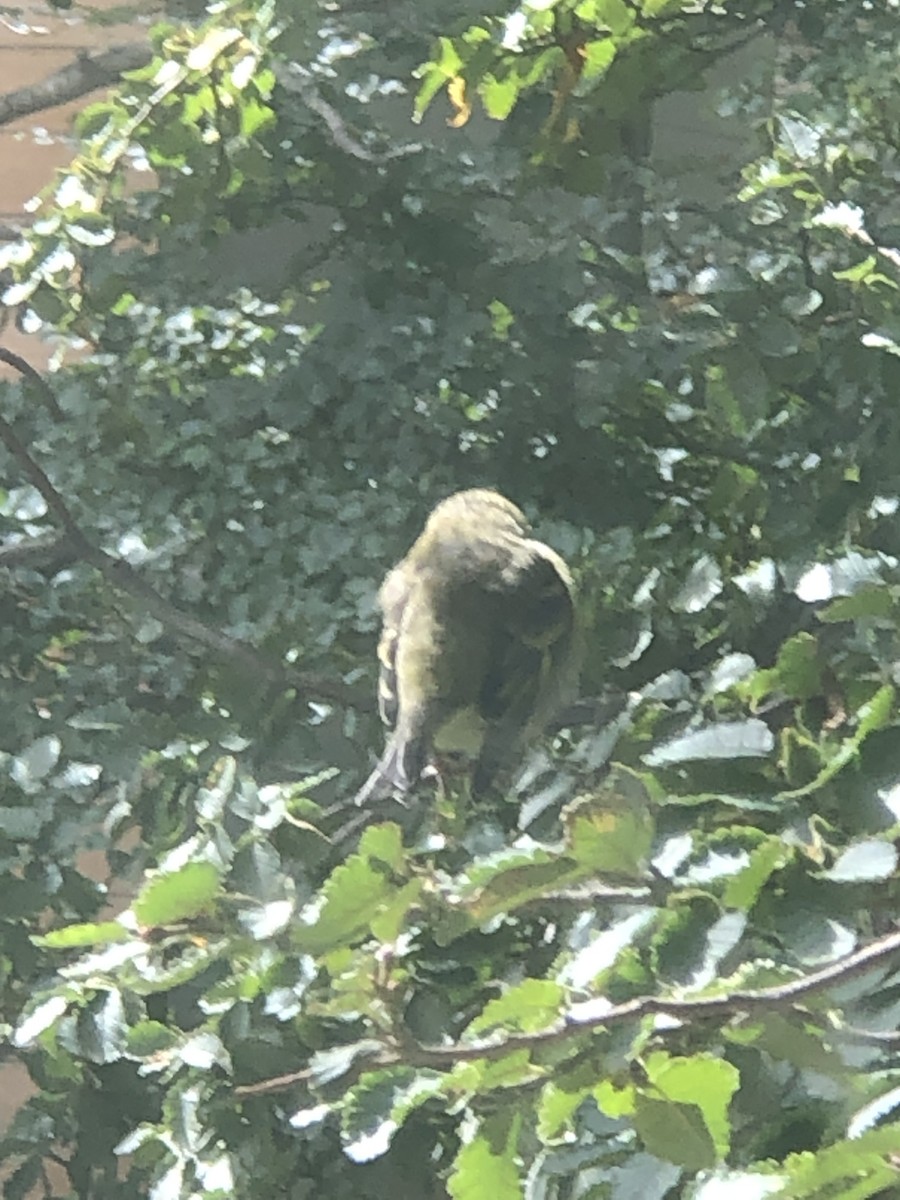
pixel 40 553
pixel 36 378
pixel 86 74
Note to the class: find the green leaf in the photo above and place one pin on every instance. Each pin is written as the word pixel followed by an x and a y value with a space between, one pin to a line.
pixel 797 671
pixel 527 1007
pixel 702 1080
pixel 787 1039
pixel 434 75
pixel 486 1074
pixel 743 889
pixel 384 843
pixel 149 1039
pixel 352 895
pixel 389 923
pixel 177 895
pixel 723 402
pixel 674 1132
pixel 871 601
pixel 616 15
pixel 862 270
pixel 598 57
pixel 556 1109
pixel 613 1100
pixel 518 879
pixel 499 96
pixel 846 1170
pixel 102 934
pixel 871 717
pixel 485 1167
pixel 612 830
pixel 749 383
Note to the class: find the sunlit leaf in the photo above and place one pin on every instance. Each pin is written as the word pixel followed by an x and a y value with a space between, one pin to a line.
pixel 868 860
pixel 73 936
pixel 729 739
pixel 703 1080
pixel 531 1005
pixel 32 765
pixel 485 1167
pixel 177 895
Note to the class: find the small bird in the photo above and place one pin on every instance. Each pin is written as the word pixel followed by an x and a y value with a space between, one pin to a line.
pixel 478 644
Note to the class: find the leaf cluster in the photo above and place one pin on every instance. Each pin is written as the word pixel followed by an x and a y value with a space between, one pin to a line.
pixel 665 964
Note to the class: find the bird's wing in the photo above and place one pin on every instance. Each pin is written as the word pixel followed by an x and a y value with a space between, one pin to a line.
pixel 404 755
pixel 531 658
pixel 393 598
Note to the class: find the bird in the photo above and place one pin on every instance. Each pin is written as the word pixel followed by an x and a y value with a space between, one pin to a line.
pixel 478 646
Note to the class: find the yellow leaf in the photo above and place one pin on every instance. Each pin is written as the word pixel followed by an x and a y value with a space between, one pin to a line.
pixel 456 92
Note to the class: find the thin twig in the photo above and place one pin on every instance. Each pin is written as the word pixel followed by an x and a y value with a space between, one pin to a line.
pixel 124 577
pixel 726 1005
pixel 294 78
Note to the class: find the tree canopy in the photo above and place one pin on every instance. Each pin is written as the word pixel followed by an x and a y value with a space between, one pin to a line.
pixel 314 267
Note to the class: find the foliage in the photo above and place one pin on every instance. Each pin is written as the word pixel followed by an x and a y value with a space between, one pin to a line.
pixel 664 966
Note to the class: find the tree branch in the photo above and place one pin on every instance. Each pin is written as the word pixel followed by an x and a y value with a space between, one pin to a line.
pixel 36 378
pixel 293 78
pixel 50 552
pixel 571 1026
pixel 123 576
pixel 86 74
pixel 728 1004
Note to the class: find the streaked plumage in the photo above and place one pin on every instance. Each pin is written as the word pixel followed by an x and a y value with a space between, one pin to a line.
pixel 477 648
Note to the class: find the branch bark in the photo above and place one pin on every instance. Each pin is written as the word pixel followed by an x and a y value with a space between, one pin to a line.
pixel 125 578
pixel 91 71
pixel 87 73
pixel 49 553
pixel 570 1026
pixel 294 78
